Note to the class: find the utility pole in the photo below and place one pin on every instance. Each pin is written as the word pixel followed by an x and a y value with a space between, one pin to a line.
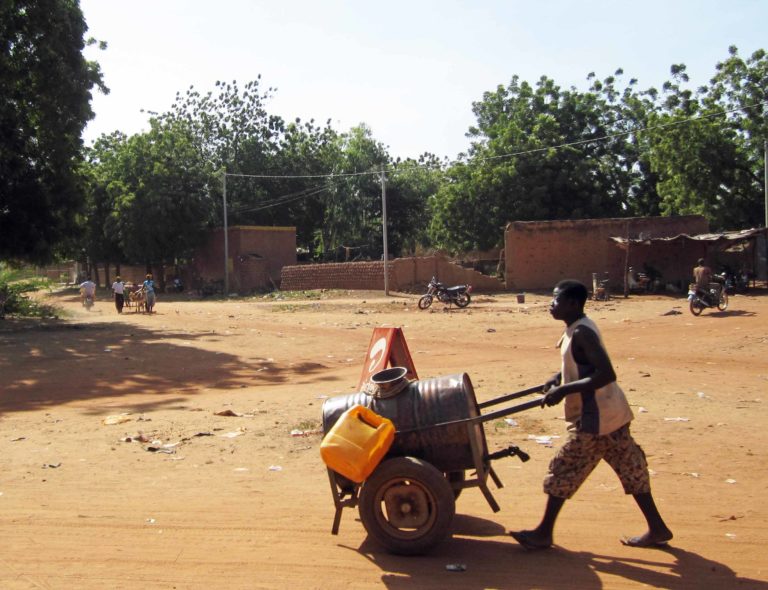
pixel 226 233
pixel 384 229
pixel 765 179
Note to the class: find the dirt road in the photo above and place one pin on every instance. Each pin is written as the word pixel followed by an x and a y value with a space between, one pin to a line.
pixel 238 502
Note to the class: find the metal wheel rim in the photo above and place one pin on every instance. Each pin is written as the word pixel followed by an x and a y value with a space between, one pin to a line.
pixel 381 517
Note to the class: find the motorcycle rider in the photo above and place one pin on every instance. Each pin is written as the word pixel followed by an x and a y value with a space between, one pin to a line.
pixel 87 289
pixel 702 276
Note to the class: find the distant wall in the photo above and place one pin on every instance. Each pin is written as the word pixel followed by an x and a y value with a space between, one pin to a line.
pixel 256 256
pixel 538 254
pixel 405 274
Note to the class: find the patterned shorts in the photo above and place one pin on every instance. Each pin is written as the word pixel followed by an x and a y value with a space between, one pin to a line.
pixel 582 452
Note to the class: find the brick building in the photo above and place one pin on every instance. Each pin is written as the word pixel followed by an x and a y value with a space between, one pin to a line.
pixel 538 254
pixel 257 255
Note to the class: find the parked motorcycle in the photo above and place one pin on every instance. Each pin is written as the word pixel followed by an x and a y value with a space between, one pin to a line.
pixel 458 294
pixel 735 282
pixel 714 296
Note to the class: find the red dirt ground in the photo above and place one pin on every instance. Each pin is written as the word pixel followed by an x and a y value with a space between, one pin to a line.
pixel 81 508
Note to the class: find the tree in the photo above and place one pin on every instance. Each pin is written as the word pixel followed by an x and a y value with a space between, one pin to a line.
pixel 232 130
pixel 99 239
pixel 353 201
pixel 155 187
pixel 44 106
pixel 410 185
pixel 538 153
pixel 707 149
pixel 303 154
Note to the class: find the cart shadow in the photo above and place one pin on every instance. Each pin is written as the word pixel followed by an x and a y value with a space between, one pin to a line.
pixel 504 564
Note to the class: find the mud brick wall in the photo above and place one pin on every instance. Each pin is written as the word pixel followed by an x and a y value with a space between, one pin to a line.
pixel 538 254
pixel 405 274
pixel 342 275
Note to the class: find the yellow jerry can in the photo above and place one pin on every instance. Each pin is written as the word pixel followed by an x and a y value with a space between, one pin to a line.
pixel 358 441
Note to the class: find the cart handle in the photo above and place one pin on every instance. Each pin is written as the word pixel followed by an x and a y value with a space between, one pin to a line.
pixel 509 396
pixel 534 403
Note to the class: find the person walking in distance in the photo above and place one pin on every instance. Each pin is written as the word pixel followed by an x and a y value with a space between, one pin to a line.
pixel 598 417
pixel 149 293
pixel 118 288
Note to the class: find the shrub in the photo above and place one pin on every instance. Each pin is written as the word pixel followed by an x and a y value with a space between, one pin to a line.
pixel 13 300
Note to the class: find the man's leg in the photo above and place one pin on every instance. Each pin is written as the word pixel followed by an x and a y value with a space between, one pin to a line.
pixel 658 533
pixel 568 469
pixel 541 536
pixel 628 461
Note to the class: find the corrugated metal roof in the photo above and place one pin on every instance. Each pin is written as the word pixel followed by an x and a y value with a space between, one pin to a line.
pixel 732 236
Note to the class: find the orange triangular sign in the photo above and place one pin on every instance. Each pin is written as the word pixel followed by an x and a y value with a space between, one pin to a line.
pixel 387 349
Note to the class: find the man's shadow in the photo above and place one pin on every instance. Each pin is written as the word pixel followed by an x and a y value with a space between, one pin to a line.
pixel 689 570
pixel 493 560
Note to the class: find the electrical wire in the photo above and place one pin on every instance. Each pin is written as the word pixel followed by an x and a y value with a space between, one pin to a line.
pixel 622 134
pixel 282 200
pixel 327 175
pixel 287 197
pixel 393 170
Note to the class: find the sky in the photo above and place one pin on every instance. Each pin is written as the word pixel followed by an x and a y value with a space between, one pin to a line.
pixel 410 70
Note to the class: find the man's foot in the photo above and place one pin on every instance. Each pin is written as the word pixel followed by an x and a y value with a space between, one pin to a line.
pixel 531 540
pixel 649 539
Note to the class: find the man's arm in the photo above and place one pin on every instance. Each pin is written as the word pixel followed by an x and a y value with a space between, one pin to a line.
pixel 587 350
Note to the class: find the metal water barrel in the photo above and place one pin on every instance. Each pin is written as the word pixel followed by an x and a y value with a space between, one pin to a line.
pixel 421 405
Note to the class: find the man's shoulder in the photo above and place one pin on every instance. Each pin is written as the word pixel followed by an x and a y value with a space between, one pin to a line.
pixel 586 329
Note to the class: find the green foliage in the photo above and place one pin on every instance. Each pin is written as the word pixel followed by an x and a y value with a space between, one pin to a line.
pixel 149 199
pixel 514 172
pixel 714 165
pixel 539 152
pixel 13 300
pixel 353 211
pixel 46 91
pixel 410 185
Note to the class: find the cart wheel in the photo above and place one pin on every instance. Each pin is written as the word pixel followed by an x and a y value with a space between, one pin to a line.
pixel 456 477
pixel 407 505
pixel 425 301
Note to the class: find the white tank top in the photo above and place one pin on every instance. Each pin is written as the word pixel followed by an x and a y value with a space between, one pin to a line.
pixel 597 412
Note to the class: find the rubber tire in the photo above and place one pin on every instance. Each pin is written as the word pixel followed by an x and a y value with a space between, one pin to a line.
pixel 722 303
pixel 463 300
pixel 429 481
pixel 696 306
pixel 456 476
pixel 425 301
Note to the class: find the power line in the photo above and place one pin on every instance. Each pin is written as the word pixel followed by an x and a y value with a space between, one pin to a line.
pixel 403 168
pixel 287 196
pixel 623 133
pixel 285 199
pixel 328 175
